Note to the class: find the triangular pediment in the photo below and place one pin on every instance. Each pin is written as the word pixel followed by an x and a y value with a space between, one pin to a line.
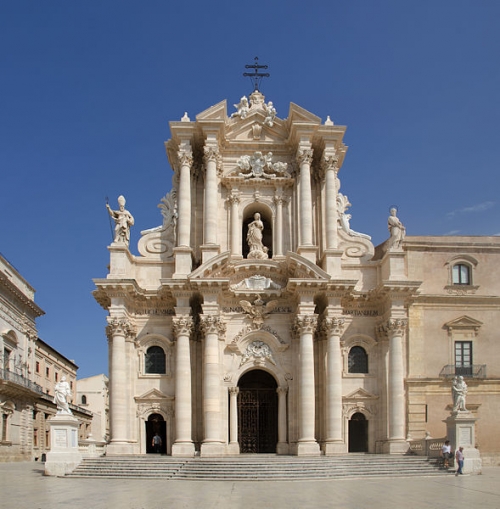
pixel 216 112
pixel 253 131
pixel 464 322
pixel 297 114
pixel 153 395
pixel 360 394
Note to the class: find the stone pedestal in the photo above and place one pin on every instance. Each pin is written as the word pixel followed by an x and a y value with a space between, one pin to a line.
pixel 64 455
pixel 461 432
pixel 333 448
pixel 183 450
pixel 393 447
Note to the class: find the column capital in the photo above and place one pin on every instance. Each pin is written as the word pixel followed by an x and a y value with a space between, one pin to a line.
pixel 234 391
pixel 282 390
pixel 211 153
pixel 329 162
pixel 333 326
pixel 185 157
pixel 120 327
pixel 182 325
pixel 304 155
pixel 305 324
pixel 392 327
pixel 212 324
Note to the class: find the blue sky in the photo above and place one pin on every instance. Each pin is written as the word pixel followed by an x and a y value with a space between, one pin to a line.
pixel 87 90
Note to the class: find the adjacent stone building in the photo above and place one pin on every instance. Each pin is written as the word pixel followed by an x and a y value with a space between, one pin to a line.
pixel 255 320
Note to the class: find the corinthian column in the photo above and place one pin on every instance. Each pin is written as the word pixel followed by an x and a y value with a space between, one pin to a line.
pixel 394 330
pixel 304 327
pixel 184 197
pixel 304 157
pixel 234 200
pixel 329 164
pixel 334 442
pixel 118 330
pixel 183 445
pixel 214 330
pixel 278 200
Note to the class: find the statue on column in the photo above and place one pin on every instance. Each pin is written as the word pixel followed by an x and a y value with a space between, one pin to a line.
pixel 459 391
pixel 396 229
pixel 62 394
pixel 254 239
pixel 123 221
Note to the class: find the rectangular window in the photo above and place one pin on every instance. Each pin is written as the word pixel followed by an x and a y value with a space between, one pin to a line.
pixel 463 358
pixel 35 438
pixel 47 372
pixel 57 376
pixel 37 367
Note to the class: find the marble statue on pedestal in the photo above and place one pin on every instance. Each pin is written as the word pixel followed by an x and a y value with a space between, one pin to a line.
pixel 123 221
pixel 242 108
pixel 62 393
pixel 459 391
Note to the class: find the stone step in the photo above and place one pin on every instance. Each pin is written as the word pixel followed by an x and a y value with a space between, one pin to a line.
pixel 258 467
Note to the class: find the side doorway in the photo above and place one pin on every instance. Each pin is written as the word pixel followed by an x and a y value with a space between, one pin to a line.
pixel 358 433
pixel 156 425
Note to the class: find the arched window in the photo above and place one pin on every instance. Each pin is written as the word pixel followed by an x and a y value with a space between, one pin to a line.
pixel 357 360
pixel 461 274
pixel 84 399
pixel 155 360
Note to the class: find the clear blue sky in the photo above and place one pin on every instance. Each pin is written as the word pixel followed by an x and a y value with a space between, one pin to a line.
pixel 87 90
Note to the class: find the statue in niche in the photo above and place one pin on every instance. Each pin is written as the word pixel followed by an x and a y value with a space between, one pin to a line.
pixel 62 394
pixel 344 219
pixel 123 221
pixel 459 391
pixel 242 108
pixel 259 351
pixel 270 114
pixel 396 229
pixel 254 239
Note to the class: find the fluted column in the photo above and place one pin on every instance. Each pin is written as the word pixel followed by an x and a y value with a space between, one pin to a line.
pixel 210 215
pixel 234 200
pixel 304 156
pixel 184 197
pixel 329 164
pixel 278 229
pixel 183 445
pixel 394 330
pixel 282 435
pixel 334 442
pixel 305 326
pixel 233 415
pixel 118 330
pixel 214 329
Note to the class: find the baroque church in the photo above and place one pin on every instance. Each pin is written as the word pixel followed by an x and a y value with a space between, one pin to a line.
pixel 255 320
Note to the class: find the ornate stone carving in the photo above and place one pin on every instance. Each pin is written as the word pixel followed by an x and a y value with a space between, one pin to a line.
pixel 211 153
pixel 182 325
pixel 344 219
pixel 120 327
pixel 270 114
pixel 256 282
pixel 261 166
pixel 185 157
pixel 259 352
pixel 242 108
pixel 162 239
pixel 258 310
pixel 329 162
pixel 459 392
pixel 212 324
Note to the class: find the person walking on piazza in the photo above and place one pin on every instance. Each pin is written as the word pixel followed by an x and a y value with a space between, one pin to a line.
pixel 459 456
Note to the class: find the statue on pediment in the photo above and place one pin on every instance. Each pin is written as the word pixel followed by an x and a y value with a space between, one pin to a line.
pixel 123 221
pixel 459 392
pixel 62 394
pixel 396 229
pixel 242 108
pixel 270 114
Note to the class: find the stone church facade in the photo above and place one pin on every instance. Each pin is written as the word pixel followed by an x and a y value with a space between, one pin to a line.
pixel 255 320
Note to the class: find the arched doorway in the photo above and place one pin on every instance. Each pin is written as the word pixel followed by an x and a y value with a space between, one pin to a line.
pixel 257 412
pixel 358 433
pixel 156 424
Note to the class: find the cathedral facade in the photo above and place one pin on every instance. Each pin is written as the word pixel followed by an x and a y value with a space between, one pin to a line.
pixel 255 320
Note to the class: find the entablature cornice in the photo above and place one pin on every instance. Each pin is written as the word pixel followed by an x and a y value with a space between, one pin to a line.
pixel 13 290
pixel 492 301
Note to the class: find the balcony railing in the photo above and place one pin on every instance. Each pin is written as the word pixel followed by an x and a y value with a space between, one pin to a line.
pixel 472 371
pixel 9 376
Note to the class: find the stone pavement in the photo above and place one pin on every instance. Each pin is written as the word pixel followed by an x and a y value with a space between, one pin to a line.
pixel 22 485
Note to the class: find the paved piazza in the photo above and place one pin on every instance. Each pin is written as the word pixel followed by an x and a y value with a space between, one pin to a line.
pixel 22 485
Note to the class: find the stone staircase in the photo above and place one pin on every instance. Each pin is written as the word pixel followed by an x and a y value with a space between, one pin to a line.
pixel 259 467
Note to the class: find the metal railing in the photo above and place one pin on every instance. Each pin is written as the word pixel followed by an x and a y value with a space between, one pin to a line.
pixel 9 376
pixel 472 371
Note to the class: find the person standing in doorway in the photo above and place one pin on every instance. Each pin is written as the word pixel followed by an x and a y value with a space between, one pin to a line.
pixel 157 443
pixel 459 456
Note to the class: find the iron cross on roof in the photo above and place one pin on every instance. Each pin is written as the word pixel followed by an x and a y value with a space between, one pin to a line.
pixel 256 76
